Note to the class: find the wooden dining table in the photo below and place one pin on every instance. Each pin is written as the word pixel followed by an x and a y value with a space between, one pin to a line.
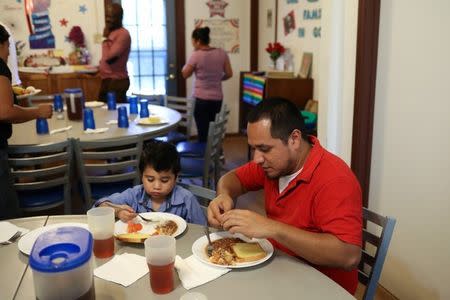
pixel 281 277
pixel 25 133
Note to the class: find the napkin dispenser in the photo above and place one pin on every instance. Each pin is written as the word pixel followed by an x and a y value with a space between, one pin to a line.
pixel 75 103
pixel 61 263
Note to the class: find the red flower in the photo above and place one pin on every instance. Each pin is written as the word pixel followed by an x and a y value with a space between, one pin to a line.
pixel 275 50
pixel 76 36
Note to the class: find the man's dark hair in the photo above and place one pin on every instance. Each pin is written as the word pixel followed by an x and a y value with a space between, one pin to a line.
pixel 284 117
pixel 201 34
pixel 4 35
pixel 161 156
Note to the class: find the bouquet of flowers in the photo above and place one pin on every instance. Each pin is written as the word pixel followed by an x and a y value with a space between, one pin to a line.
pixel 275 50
pixel 76 36
pixel 80 56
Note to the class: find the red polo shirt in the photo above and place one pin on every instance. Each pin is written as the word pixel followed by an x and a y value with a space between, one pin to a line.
pixel 325 197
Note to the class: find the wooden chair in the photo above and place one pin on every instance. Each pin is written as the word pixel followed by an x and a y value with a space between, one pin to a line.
pixel 41 175
pixel 208 167
pixel 186 108
pixel 204 195
pixel 374 251
pixel 108 167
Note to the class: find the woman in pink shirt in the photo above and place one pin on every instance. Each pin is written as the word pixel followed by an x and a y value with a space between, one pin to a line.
pixel 211 66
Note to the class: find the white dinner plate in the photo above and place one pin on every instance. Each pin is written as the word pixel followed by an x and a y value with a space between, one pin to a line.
pixel 93 104
pixel 147 122
pixel 27 241
pixel 198 249
pixel 149 227
pixel 35 92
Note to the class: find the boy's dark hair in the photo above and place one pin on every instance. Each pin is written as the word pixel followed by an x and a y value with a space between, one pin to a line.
pixel 284 117
pixel 201 34
pixel 161 156
pixel 4 35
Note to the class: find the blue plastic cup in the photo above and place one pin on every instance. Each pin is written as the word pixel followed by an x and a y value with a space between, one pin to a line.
pixel 58 103
pixel 122 117
pixel 133 100
pixel 111 100
pixel 88 119
pixel 41 126
pixel 144 113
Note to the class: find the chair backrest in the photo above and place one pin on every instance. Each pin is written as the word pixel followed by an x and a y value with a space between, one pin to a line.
pixel 186 108
pixel 204 195
pixel 112 165
pixel 374 251
pixel 152 99
pixel 213 151
pixel 41 175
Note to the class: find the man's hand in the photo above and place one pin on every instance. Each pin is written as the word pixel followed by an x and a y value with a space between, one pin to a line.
pixel 126 213
pixel 248 223
pixel 45 111
pixel 217 207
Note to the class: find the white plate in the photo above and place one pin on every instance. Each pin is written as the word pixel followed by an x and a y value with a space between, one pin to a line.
pixel 93 104
pixel 36 91
pixel 145 121
pixel 198 249
pixel 27 241
pixel 149 227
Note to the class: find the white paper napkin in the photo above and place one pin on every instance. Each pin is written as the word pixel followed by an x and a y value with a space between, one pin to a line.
pixel 96 130
pixel 7 230
pixel 193 272
pixel 60 129
pixel 111 122
pixel 123 269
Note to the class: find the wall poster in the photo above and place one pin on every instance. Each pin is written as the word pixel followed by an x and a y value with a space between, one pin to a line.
pixel 224 33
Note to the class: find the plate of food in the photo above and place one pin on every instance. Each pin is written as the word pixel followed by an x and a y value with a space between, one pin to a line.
pixel 27 241
pixel 93 104
pixel 22 93
pixel 138 230
pixel 152 120
pixel 232 250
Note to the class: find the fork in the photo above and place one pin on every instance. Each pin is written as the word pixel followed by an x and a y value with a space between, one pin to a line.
pixel 12 239
pixel 209 248
pixel 147 219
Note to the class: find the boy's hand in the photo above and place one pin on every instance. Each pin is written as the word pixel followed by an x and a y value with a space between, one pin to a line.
pixel 126 213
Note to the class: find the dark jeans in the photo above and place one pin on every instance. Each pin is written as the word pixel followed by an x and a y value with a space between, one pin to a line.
pixel 9 203
pixel 119 86
pixel 205 112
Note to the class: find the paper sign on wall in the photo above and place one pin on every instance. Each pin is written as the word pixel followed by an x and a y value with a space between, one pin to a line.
pixel 224 33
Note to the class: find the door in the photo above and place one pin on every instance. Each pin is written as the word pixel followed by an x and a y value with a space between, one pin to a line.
pixel 153 66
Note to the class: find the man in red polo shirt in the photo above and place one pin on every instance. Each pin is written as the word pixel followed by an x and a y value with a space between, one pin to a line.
pixel 313 200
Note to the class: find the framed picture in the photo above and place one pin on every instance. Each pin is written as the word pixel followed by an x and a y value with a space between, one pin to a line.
pixel 289 23
pixel 305 68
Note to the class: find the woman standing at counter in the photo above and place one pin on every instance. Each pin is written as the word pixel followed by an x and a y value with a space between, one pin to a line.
pixel 211 66
pixel 11 113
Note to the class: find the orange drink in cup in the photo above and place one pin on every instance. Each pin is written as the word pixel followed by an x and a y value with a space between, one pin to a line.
pixel 101 225
pixel 160 254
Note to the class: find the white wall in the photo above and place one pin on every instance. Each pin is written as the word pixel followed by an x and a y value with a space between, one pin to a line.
pixel 12 13
pixel 266 32
pixel 410 177
pixel 197 9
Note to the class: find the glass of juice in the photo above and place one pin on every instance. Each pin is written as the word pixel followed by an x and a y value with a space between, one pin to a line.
pixel 101 225
pixel 160 253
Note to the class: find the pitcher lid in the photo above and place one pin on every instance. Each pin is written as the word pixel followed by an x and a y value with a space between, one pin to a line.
pixel 61 249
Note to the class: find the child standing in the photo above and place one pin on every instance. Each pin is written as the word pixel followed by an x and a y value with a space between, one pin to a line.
pixel 159 166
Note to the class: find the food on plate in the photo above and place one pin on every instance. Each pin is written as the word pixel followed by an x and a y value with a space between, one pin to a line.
pixel 229 251
pixel 18 90
pixel 153 120
pixel 134 237
pixel 167 227
pixel 133 227
pixel 246 252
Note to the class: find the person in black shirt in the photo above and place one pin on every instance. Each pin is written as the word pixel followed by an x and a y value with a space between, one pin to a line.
pixel 10 113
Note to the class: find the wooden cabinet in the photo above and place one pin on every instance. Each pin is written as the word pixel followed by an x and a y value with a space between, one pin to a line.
pixel 56 83
pixel 254 88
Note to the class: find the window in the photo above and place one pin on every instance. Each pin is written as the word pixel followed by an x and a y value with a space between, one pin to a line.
pixel 147 64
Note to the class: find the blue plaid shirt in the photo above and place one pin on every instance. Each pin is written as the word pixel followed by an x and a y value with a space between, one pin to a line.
pixel 180 202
